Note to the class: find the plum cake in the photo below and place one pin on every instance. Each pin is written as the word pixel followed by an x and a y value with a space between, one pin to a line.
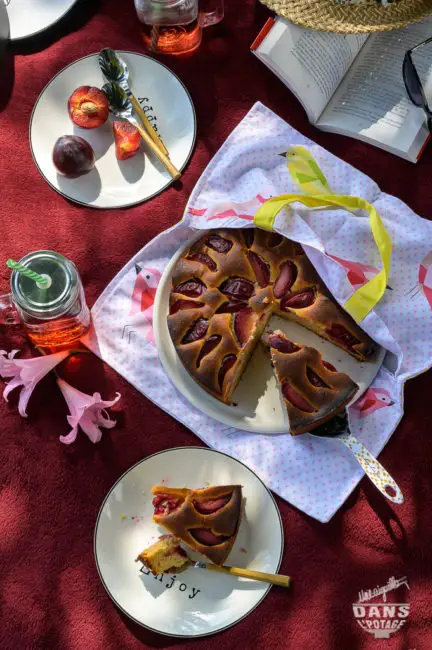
pixel 164 556
pixel 224 289
pixel 207 520
pixel 312 389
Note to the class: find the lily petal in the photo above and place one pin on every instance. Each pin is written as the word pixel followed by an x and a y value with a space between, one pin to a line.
pixel 26 373
pixel 72 435
pixel 87 411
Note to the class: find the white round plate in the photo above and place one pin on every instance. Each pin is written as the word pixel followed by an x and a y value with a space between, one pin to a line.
pixel 196 602
pixel 114 183
pixel 259 407
pixel 30 17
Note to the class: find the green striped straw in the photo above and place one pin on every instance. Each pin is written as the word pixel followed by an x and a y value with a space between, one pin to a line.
pixel 41 280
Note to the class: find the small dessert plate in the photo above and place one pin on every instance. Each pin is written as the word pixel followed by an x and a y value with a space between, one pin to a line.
pixel 31 17
pixel 257 403
pixel 114 183
pixel 195 602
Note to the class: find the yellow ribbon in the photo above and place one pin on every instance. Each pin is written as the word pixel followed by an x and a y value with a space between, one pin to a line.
pixel 366 297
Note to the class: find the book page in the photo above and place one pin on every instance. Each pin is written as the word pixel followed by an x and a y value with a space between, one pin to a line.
pixel 372 100
pixel 312 64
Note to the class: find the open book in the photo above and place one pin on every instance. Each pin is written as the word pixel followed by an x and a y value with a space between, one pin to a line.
pixel 352 84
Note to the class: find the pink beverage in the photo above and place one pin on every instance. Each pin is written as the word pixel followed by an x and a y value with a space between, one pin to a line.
pixel 170 26
pixel 54 314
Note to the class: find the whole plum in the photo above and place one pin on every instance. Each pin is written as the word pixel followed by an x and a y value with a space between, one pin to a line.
pixel 73 156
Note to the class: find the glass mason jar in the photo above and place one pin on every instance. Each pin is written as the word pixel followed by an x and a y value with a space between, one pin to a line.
pixel 54 314
pixel 169 26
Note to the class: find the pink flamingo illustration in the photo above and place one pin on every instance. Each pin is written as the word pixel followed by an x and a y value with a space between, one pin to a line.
pixel 144 290
pixel 358 274
pixel 425 280
pixel 142 299
pixel 227 209
pixel 373 400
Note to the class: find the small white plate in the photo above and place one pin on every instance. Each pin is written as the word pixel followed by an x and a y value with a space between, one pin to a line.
pixel 197 602
pixel 259 405
pixel 30 17
pixel 113 183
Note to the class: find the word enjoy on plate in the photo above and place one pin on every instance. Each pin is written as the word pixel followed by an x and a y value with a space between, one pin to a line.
pixel 183 587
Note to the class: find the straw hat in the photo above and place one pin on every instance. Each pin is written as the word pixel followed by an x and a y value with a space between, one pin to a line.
pixel 367 16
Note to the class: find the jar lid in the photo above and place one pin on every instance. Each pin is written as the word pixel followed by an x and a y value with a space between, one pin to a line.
pixel 48 301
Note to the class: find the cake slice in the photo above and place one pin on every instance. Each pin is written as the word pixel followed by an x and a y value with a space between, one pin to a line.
pixel 312 389
pixel 164 556
pixel 308 302
pixel 207 520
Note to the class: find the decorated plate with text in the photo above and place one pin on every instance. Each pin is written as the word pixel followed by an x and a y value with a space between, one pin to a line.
pixel 195 602
pixel 114 183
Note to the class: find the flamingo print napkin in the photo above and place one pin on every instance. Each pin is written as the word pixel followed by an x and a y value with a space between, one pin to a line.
pixel 314 474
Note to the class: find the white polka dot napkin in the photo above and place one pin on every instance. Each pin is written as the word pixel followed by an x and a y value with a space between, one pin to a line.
pixel 314 474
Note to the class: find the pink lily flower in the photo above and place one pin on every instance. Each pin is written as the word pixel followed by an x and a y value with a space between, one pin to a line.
pixel 26 373
pixel 87 411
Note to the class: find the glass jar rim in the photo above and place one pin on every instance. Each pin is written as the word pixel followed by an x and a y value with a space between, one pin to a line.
pixel 61 304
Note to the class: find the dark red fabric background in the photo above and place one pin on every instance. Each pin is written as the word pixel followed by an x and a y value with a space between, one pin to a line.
pixel 50 494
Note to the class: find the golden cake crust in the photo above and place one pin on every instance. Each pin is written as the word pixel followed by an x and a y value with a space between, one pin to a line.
pixel 188 516
pixel 224 289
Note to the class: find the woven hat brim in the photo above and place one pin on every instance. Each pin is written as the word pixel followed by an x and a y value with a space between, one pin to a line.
pixel 327 15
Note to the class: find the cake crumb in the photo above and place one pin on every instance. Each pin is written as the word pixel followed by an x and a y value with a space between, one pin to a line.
pixel 243 550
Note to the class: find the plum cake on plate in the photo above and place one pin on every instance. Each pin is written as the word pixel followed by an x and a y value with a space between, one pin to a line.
pixel 226 286
pixel 164 556
pixel 312 389
pixel 207 520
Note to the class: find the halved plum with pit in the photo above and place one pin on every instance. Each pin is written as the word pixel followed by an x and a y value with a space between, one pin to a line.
pixel 237 288
pixel 164 504
pixel 196 332
pixel 341 335
pixel 282 344
pixel 192 288
pixel 285 280
pixel 207 537
pixel 296 399
pixel 260 268
pixel 88 107
pixel 208 506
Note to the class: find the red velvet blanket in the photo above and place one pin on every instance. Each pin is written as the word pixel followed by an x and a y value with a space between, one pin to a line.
pixel 50 494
